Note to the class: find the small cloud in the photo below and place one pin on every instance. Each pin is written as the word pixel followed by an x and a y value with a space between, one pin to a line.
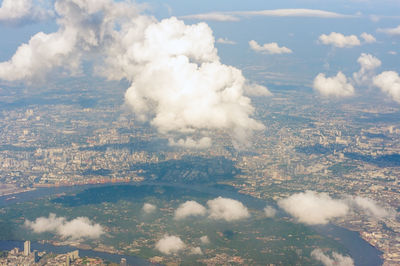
pixel 205 240
pixel 370 207
pixel 336 86
pixel 269 211
pixel 313 208
pixel 392 52
pixel 391 31
pixel 196 251
pixel 190 143
pixel 336 258
pixel 77 228
pixel 389 83
pixel 368 38
pixel 189 208
pixel 170 245
pixel 252 89
pixel 227 209
pixel 149 208
pixel 339 40
pixel 225 41
pixel 269 48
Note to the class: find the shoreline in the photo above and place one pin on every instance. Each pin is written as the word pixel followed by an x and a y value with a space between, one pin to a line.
pixel 210 190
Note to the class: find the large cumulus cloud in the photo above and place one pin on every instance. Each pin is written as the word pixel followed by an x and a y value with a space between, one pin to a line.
pixel 177 82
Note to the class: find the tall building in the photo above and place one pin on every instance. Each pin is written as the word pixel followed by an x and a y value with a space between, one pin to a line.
pixel 27 248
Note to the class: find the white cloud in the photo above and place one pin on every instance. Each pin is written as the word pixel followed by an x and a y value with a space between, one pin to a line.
pixel 202 143
pixel 269 211
pixel 389 83
pixel 368 38
pixel 170 245
pixel 225 41
pixel 392 52
pixel 177 82
pixel 189 208
pixel 339 40
pixel 237 15
pixel 252 89
pixel 370 207
pixel 337 86
pixel 149 208
pixel 196 251
pixel 205 240
pixel 368 64
pixel 313 208
pixel 336 259
pixel 18 11
pixel 227 209
pixel 269 48
pixel 391 31
pixel 77 228
pixel 215 16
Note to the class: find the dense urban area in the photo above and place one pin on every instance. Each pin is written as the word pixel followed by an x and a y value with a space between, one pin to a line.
pixel 80 136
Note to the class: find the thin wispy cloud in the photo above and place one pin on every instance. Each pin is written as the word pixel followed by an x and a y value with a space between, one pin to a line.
pixel 390 31
pixel 238 15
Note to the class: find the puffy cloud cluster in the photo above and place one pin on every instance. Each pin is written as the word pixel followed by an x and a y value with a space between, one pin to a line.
pixel 218 209
pixel 391 31
pixel 340 85
pixel 389 83
pixel 227 209
pixel 313 208
pixel 189 208
pixel 269 211
pixel 293 12
pixel 77 228
pixel 336 258
pixel 149 208
pixel 269 48
pixel 339 40
pixel 336 86
pixel 368 64
pixel 170 245
pixel 19 11
pixel 177 82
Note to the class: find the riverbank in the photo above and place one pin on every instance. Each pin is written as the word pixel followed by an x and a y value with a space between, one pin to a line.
pixel 361 251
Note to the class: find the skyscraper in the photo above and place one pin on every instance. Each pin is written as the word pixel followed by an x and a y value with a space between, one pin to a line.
pixel 27 248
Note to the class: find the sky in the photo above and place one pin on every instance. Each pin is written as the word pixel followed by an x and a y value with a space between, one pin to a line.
pixel 209 57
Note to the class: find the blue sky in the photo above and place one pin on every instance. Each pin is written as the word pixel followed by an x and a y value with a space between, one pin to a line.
pixel 339 48
pixel 300 34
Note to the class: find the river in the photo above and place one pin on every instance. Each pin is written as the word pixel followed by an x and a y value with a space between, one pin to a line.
pixel 361 251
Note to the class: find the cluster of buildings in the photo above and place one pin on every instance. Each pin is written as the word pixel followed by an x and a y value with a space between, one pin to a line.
pixel 306 146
